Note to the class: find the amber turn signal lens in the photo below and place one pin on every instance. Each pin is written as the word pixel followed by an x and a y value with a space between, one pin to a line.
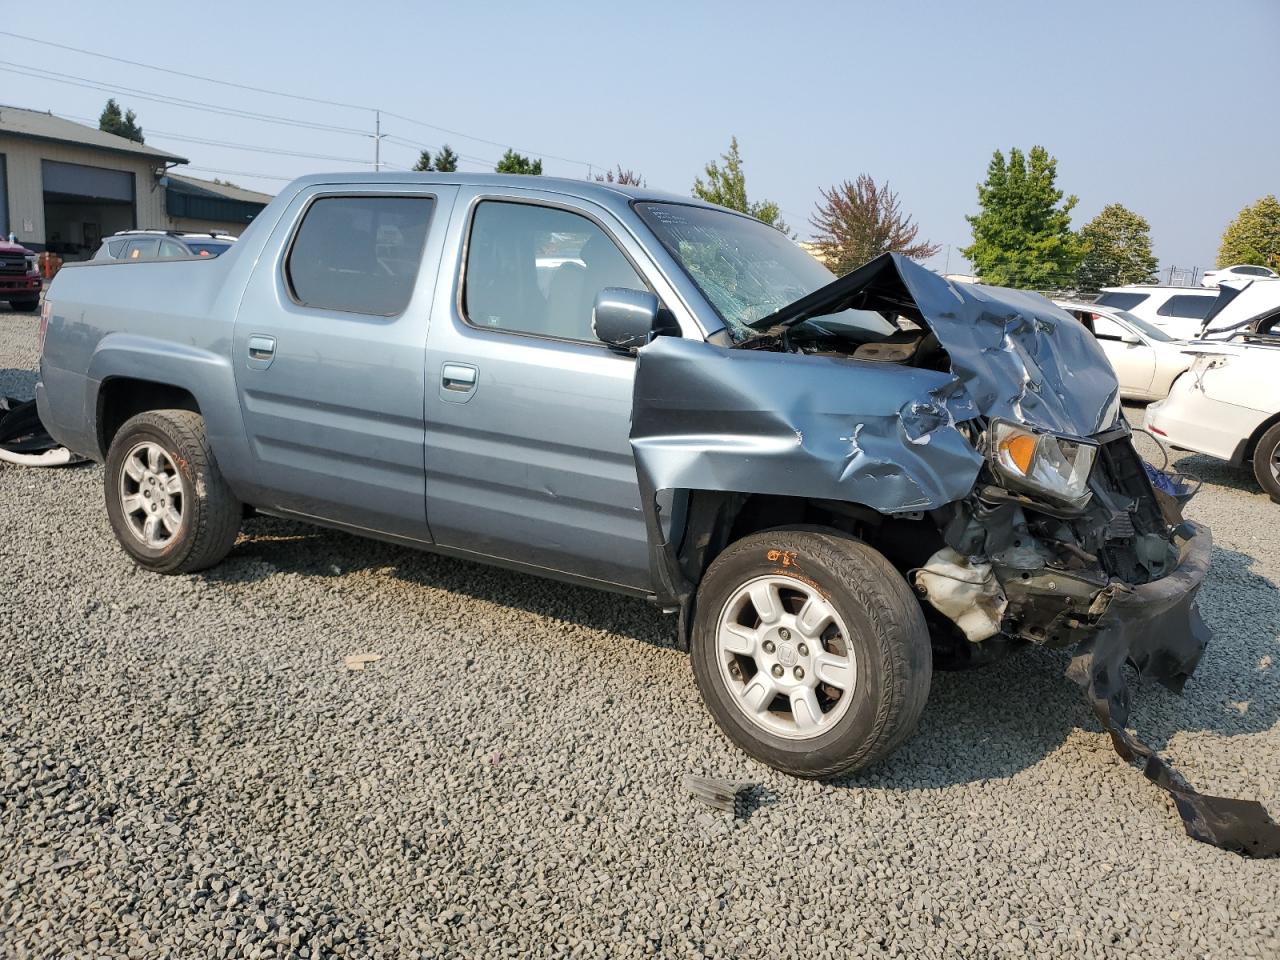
pixel 1020 448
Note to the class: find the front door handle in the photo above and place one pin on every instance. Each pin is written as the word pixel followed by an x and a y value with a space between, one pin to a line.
pixel 262 351
pixel 458 382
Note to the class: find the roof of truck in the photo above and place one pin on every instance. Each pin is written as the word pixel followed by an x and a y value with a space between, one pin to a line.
pixel 587 189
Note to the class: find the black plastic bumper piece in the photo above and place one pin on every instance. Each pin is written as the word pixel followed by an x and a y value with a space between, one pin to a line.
pixel 1158 628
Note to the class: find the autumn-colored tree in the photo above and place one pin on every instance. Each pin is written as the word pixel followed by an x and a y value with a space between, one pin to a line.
pixel 623 177
pixel 857 221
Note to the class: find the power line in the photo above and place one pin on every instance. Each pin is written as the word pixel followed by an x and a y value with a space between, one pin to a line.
pixel 280 93
pixel 166 135
pixel 189 76
pixel 241 173
pixel 39 73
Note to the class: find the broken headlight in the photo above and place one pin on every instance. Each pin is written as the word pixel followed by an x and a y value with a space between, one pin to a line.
pixel 1052 466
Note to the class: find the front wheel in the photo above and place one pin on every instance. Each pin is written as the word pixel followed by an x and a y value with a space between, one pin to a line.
pixel 810 650
pixel 1266 463
pixel 24 306
pixel 168 504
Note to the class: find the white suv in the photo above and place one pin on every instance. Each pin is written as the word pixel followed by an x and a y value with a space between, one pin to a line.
pixel 1178 311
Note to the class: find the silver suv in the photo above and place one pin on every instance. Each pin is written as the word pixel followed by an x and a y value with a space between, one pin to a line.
pixel 162 244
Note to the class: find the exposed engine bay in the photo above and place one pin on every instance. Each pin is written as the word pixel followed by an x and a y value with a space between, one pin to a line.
pixel 990 421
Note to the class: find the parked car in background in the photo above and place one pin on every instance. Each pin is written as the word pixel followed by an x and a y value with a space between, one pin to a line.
pixel 162 244
pixel 20 281
pixel 1242 271
pixel 1227 405
pixel 1145 358
pixel 1178 311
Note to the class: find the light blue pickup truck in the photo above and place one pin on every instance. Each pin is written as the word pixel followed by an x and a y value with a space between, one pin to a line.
pixel 831 482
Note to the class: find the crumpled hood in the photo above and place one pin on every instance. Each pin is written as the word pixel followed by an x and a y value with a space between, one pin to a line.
pixel 1016 355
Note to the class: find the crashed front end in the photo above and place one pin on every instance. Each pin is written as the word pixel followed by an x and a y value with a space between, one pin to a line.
pixel 988 414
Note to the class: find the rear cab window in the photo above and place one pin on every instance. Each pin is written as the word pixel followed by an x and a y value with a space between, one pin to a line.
pixel 359 254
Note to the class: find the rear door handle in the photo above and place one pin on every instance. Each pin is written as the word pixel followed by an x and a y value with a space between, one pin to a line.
pixel 458 382
pixel 262 351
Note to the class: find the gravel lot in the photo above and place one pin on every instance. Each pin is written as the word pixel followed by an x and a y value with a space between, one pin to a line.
pixel 187 770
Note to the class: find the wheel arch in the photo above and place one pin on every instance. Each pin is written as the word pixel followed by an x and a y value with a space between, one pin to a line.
pixel 716 519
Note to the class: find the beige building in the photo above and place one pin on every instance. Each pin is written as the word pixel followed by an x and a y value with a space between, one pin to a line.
pixel 64 186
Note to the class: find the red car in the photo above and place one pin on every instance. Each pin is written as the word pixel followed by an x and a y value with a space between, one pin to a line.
pixel 19 277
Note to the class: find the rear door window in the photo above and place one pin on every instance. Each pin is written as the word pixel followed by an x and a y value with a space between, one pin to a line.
pixel 1186 306
pixel 1122 301
pixel 170 249
pixel 359 254
pixel 142 249
pixel 116 248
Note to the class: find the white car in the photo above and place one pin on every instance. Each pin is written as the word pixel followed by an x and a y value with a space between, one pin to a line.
pixel 1227 405
pixel 1241 271
pixel 1145 358
pixel 1178 311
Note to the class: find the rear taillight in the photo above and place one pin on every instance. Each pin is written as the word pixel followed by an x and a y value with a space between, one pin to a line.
pixel 45 310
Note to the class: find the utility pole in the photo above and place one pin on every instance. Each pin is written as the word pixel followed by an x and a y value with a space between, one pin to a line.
pixel 377 141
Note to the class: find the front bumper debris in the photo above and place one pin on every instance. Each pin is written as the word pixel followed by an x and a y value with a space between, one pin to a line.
pixel 1157 627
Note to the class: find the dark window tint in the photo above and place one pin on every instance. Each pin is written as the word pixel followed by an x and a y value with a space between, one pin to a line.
pixel 359 254
pixel 536 269
pixel 1252 271
pixel 141 249
pixel 208 249
pixel 1122 301
pixel 1187 306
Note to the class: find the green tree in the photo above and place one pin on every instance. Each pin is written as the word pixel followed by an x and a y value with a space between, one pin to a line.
pixel 513 162
pixel 1253 236
pixel 424 164
pixel 1117 249
pixel 1021 236
pixel 727 186
pixel 122 125
pixel 447 160
pixel 857 221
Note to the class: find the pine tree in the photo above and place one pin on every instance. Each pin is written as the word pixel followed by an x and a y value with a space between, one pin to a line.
pixel 1021 236
pixel 122 125
pixel 447 160
pixel 513 162
pixel 424 164
pixel 727 186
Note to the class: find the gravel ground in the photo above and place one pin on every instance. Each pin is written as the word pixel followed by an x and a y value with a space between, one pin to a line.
pixel 187 770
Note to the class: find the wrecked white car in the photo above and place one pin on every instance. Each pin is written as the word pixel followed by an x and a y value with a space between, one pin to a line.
pixel 833 483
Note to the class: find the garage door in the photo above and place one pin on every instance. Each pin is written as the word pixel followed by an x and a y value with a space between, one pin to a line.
pixel 76 180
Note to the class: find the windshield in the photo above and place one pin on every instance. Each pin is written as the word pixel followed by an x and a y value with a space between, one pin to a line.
pixel 1149 330
pixel 745 268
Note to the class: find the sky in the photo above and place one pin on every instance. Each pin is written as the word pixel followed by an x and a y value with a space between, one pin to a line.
pixel 1165 106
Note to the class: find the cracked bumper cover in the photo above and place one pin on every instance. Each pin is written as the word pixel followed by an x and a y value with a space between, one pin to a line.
pixel 1158 628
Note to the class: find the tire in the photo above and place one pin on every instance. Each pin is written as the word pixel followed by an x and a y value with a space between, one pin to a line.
pixel 160 464
pixel 24 306
pixel 875 620
pixel 1266 463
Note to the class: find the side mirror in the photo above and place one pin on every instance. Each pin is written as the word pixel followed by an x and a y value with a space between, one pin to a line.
pixel 1130 339
pixel 625 319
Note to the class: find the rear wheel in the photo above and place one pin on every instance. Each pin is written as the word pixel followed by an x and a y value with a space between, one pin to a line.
pixel 1266 462
pixel 168 504
pixel 810 651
